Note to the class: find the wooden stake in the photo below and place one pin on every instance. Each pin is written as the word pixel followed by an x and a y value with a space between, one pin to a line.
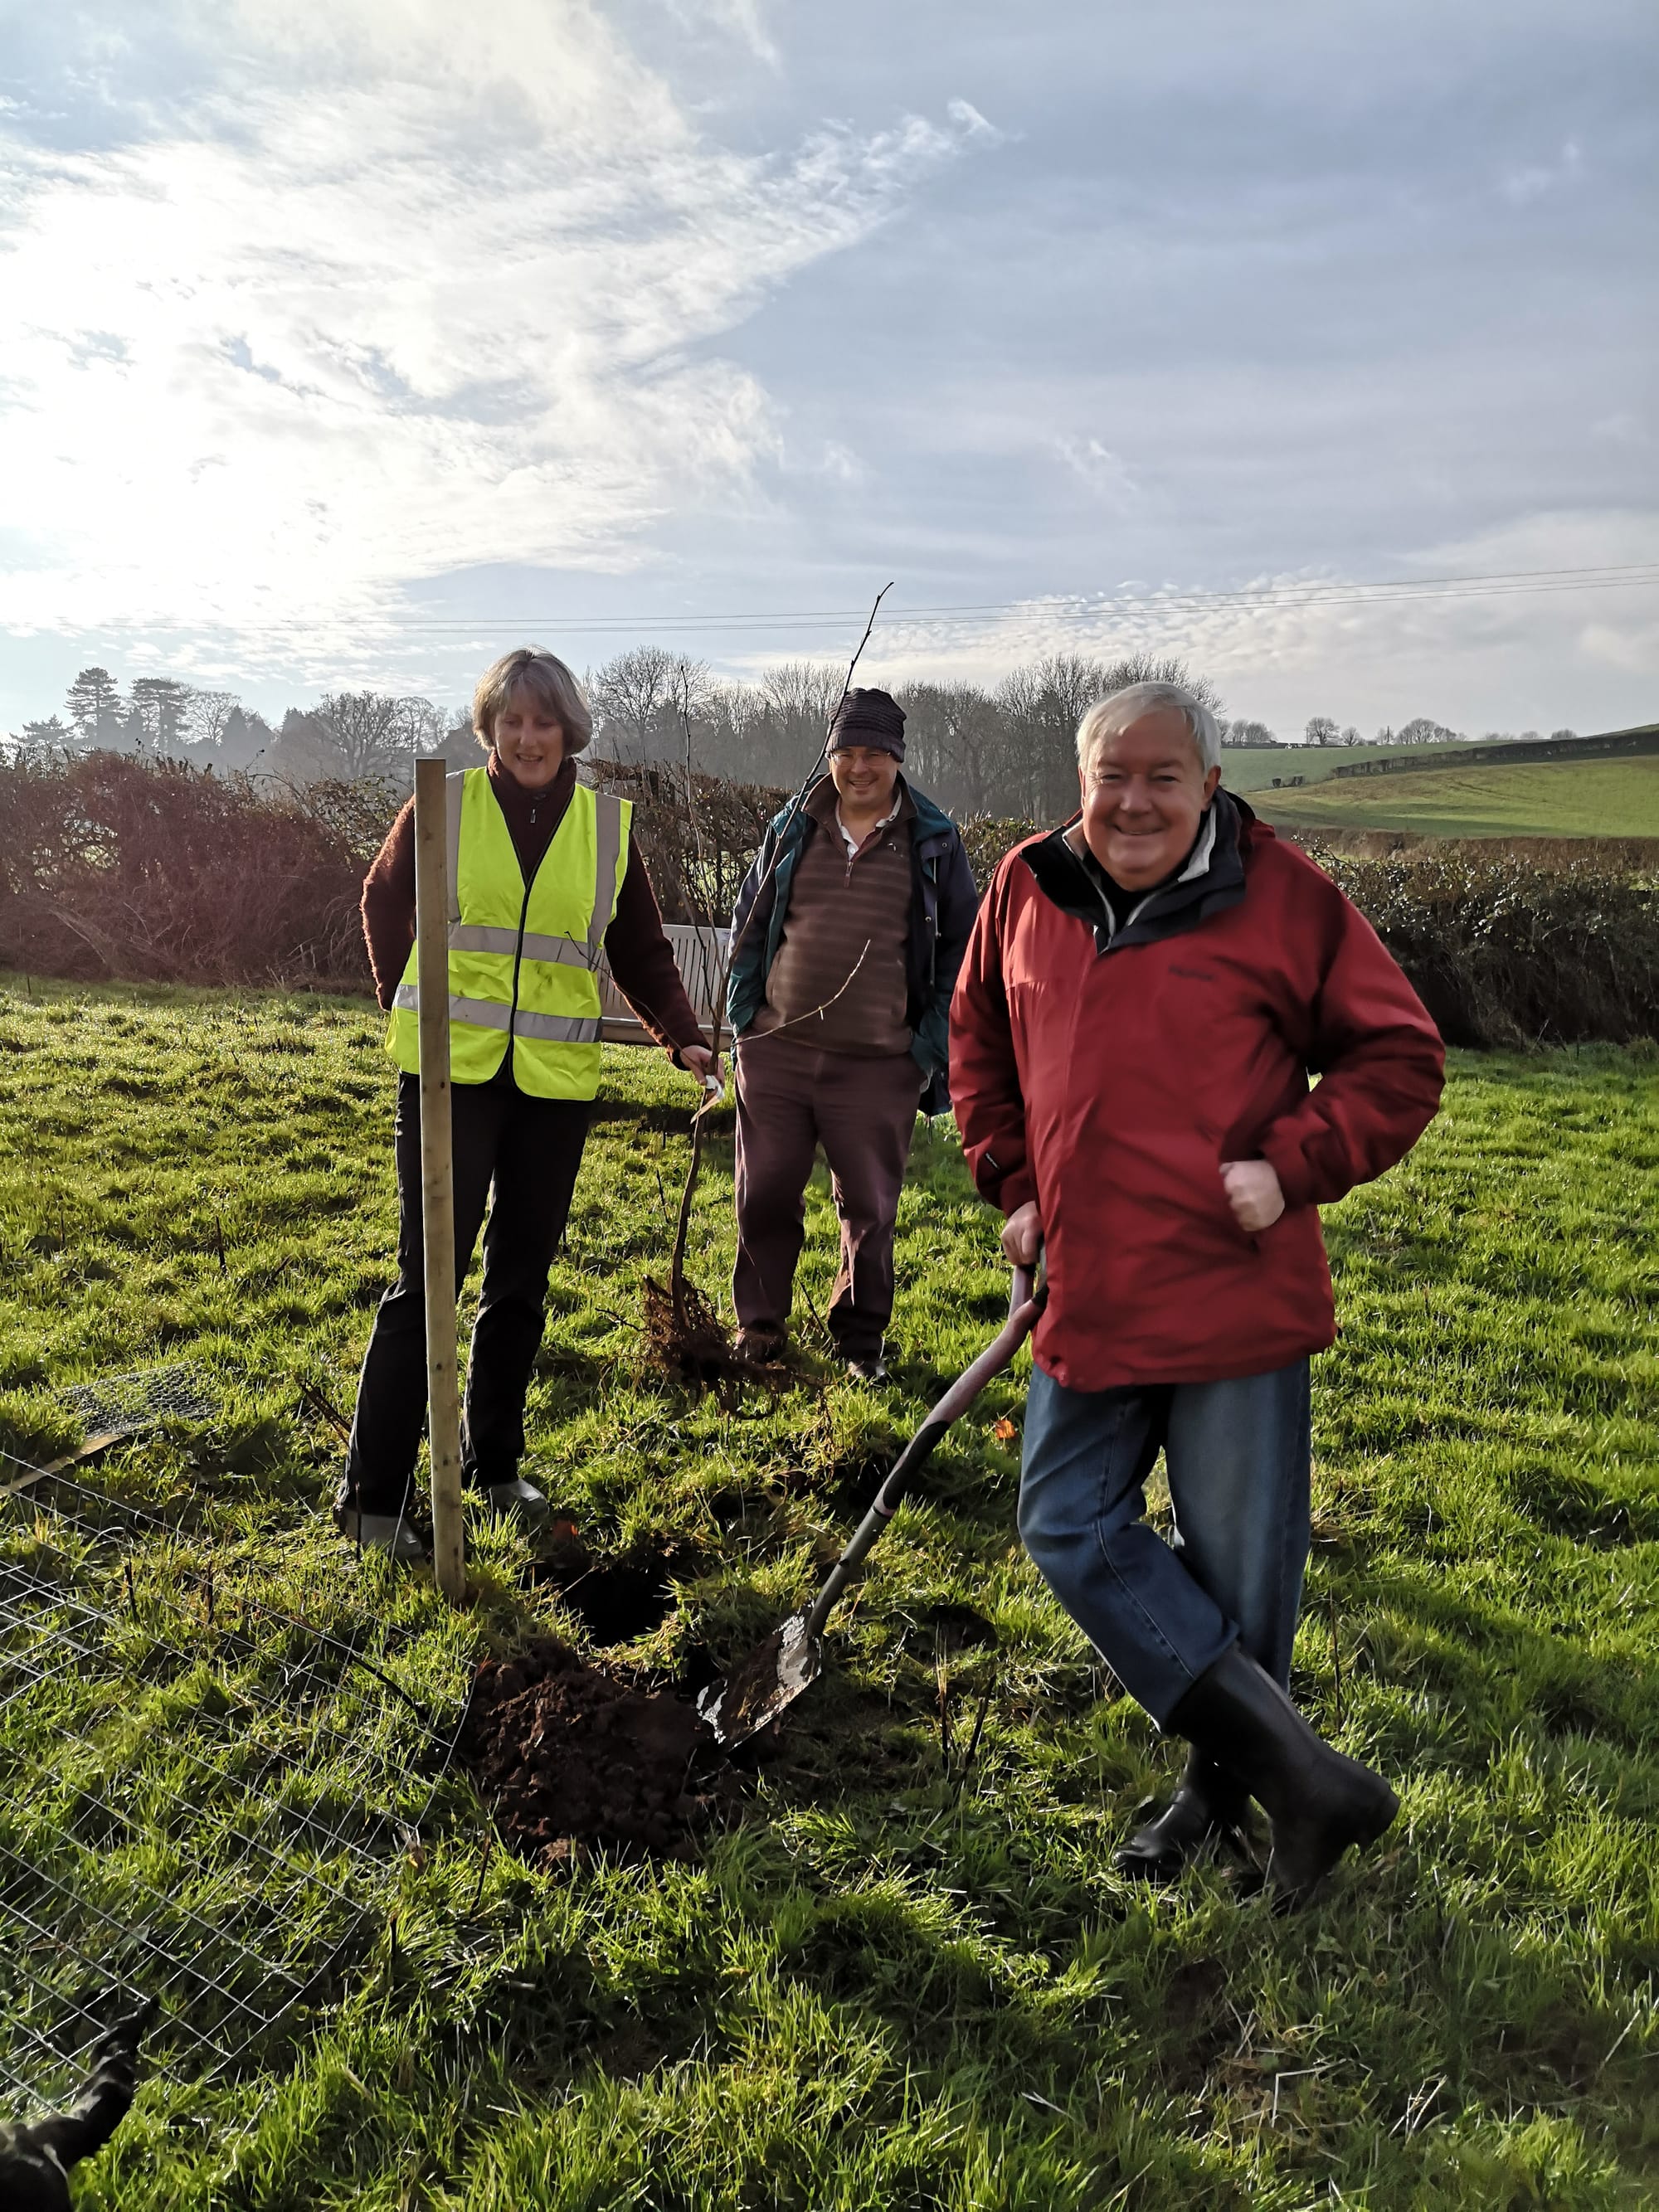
pixel 438 1177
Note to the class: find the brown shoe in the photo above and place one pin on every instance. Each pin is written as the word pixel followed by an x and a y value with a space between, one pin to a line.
pixel 761 1347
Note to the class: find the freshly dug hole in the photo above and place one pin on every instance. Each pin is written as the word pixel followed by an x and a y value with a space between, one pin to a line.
pixel 567 1756
pixel 615 1599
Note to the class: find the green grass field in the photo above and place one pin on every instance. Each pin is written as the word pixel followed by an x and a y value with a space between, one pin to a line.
pixel 1250 769
pixel 871 1991
pixel 1559 799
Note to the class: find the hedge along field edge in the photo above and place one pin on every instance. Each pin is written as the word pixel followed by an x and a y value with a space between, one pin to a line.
pixel 112 866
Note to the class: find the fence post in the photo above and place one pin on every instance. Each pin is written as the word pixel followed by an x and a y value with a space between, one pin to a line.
pixel 438 1175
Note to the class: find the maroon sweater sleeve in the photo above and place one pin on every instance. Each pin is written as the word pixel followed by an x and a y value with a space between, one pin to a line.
pixel 642 963
pixel 388 907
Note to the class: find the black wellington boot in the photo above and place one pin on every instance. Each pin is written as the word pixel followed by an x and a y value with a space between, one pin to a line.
pixel 1209 1806
pixel 1318 1800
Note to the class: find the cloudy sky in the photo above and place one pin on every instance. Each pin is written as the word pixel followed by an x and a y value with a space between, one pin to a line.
pixel 352 341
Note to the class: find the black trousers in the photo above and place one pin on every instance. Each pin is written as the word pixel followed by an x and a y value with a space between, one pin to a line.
pixel 521 1154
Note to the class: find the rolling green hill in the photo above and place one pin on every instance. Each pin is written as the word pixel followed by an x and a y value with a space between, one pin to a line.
pixel 1249 769
pixel 1555 799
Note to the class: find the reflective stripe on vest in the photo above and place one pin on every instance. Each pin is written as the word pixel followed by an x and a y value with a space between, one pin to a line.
pixel 521 964
pixel 488 1014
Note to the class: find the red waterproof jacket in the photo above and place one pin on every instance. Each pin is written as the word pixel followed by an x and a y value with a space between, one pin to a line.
pixel 1107 1072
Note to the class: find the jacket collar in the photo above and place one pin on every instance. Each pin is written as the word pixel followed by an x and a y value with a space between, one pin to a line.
pixel 932 824
pixel 1211 879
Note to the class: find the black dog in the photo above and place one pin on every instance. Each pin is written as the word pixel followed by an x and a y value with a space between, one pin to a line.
pixel 35 2160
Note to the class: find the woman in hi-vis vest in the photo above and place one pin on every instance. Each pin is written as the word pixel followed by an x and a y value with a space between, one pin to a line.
pixel 543 877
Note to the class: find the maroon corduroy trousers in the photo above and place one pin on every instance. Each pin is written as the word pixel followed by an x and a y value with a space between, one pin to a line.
pixel 792 1098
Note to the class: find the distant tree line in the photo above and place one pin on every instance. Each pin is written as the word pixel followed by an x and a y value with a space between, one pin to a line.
pixel 1005 749
pixel 347 736
pixel 1423 731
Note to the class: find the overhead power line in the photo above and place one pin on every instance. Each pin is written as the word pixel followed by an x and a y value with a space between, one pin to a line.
pixel 1066 607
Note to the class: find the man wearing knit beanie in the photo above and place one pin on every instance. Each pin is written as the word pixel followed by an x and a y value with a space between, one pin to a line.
pixel 849 930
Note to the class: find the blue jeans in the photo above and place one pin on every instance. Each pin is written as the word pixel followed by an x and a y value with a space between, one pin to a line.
pixel 1237 1455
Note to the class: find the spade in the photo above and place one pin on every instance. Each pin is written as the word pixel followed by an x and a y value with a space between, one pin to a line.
pixel 790 1661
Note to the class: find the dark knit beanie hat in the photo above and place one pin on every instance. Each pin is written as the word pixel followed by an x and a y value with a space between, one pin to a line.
pixel 869 718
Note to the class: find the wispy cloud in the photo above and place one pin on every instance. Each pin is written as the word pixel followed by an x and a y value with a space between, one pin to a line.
pixel 1286 646
pixel 396 294
pixel 1535 181
pixel 1102 470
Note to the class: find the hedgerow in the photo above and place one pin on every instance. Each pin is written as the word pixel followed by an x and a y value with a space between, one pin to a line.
pixel 148 870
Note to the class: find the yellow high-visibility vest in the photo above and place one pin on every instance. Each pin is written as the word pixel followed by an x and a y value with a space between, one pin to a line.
pixel 523 964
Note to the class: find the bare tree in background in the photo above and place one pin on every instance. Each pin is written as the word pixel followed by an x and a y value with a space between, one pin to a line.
pixel 206 715
pixel 417 724
pixel 798 697
pixel 363 730
pixel 636 701
pixel 955 745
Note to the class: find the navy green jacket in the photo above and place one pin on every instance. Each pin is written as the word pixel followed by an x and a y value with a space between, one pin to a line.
pixel 943 904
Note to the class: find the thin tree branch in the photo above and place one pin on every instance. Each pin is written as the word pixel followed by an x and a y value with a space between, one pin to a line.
pixel 812 1012
pixel 808 780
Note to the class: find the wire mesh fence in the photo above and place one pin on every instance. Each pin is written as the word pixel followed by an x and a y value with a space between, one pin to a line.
pixel 117 1406
pixel 207 1799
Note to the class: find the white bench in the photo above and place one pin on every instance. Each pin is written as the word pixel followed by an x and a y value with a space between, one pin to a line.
pixel 700 956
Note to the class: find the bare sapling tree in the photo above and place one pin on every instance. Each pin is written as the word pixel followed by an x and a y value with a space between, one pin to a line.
pixel 683 1323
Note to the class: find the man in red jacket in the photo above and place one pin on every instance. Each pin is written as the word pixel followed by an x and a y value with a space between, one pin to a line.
pixel 1144 998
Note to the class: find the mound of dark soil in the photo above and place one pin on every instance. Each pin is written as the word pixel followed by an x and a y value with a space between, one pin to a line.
pixel 568 1756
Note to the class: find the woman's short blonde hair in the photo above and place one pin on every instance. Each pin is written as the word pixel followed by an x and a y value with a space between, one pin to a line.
pixel 547 681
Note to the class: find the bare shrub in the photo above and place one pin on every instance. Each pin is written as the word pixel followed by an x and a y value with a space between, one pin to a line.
pixel 147 869
pixel 731 819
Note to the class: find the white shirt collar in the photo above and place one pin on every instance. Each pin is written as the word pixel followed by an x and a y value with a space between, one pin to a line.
pixel 1199 863
pixel 853 844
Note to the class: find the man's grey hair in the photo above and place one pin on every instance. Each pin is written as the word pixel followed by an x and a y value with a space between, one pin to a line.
pixel 1115 712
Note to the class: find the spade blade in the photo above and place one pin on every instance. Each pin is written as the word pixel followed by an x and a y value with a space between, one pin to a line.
pixel 760 1687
